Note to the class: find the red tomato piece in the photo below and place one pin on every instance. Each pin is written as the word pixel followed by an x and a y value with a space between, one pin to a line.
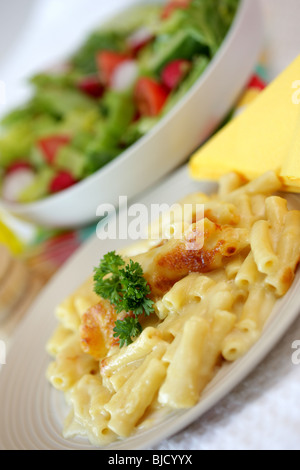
pixel 61 181
pixel 257 82
pixel 174 72
pixel 174 5
pixel 51 145
pixel 18 165
pixel 150 96
pixel 107 62
pixel 91 86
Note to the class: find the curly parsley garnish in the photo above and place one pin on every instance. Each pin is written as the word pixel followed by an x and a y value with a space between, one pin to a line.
pixel 126 288
pixel 126 330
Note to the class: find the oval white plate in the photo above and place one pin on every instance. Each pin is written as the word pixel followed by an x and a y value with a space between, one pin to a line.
pixel 172 140
pixel 32 412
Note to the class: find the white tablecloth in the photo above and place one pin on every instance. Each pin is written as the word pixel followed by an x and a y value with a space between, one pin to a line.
pixel 262 413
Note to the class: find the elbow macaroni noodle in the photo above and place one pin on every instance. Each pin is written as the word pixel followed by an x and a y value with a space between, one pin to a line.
pixel 202 320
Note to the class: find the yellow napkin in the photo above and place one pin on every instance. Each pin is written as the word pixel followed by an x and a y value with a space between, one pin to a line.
pixel 15 233
pixel 10 240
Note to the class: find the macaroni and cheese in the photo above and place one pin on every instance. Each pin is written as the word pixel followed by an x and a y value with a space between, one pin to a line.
pixel 211 304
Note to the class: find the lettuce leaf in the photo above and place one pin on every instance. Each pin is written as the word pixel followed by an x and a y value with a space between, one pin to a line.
pixel 85 58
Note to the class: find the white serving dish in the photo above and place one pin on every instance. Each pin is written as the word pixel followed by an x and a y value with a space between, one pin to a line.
pixel 171 142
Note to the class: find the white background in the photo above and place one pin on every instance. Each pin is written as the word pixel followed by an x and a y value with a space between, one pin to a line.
pixel 282 38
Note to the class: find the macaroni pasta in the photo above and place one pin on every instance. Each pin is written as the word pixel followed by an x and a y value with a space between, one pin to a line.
pixel 211 304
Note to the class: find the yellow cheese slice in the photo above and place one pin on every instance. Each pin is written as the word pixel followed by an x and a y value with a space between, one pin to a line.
pixel 264 137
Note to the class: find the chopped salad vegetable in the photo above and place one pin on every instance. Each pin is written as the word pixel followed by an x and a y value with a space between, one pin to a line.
pixel 110 93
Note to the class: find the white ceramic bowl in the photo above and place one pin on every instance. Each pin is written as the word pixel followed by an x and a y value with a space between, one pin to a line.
pixel 170 142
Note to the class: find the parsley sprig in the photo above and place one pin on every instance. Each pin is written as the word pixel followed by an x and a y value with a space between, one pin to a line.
pixel 126 288
pixel 126 330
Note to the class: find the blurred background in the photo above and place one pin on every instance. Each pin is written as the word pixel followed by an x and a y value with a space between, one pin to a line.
pixel 282 39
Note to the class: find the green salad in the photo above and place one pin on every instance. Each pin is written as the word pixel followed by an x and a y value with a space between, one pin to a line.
pixel 111 92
